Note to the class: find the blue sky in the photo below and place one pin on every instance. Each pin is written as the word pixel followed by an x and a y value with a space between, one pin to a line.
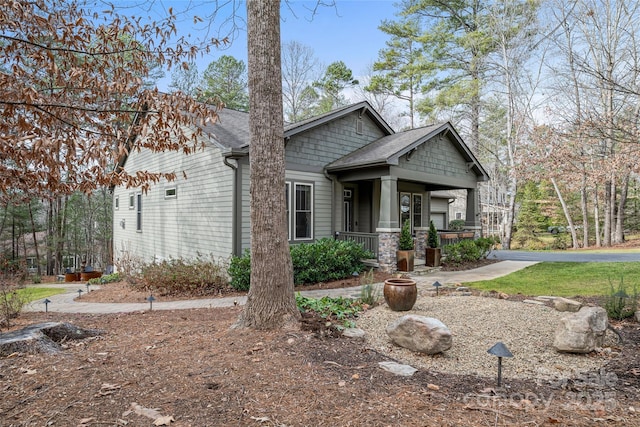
pixel 347 32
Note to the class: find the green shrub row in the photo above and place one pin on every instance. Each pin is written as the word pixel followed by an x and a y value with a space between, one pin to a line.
pixel 468 250
pixel 199 276
pixel 107 278
pixel 321 261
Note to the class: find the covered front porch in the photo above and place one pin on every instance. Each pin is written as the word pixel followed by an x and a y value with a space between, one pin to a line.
pixel 380 187
pixel 372 213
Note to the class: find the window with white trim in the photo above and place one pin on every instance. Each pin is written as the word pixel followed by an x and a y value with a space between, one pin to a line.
pixel 287 196
pixel 170 193
pixel 139 212
pixel 116 203
pixel 458 215
pixel 303 212
pixel 132 201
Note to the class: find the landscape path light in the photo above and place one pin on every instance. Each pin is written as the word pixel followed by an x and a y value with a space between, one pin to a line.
pixel 46 304
pixel 500 350
pixel 151 299
pixel 437 286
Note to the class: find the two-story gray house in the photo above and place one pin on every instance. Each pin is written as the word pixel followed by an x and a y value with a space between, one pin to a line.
pixel 348 175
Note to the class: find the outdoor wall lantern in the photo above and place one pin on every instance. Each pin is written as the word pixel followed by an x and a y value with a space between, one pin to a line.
pixel 122 223
pixel 500 350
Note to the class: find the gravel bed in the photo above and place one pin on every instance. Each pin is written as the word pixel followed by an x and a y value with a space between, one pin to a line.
pixel 476 324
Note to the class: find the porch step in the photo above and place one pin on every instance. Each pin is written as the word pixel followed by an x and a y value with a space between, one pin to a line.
pixel 422 270
pixel 370 263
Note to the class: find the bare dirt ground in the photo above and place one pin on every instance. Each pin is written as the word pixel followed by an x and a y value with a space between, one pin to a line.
pixel 189 368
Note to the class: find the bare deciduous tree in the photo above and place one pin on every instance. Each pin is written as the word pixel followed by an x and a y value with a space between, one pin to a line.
pixel 75 101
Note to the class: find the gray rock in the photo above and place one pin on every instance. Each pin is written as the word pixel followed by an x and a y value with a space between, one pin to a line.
pixel 581 332
pixel 421 334
pixel 638 316
pixel 462 288
pixel 534 302
pixel 565 304
pixel 398 369
pixel 353 333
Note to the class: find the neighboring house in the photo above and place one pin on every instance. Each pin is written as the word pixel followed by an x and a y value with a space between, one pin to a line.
pixel 348 175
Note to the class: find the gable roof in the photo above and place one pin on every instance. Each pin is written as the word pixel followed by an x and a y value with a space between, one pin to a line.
pixel 363 107
pixel 388 150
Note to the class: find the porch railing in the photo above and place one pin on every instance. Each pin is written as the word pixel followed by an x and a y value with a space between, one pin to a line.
pixel 368 240
pixel 451 237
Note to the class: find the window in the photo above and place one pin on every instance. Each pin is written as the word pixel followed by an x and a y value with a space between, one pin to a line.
pixel 116 203
pixel 405 208
pixel 303 217
pixel 132 201
pixel 139 212
pixel 69 262
pixel 170 193
pixel 417 210
pixel 287 203
pixel 411 209
pixel 458 215
pixel 299 205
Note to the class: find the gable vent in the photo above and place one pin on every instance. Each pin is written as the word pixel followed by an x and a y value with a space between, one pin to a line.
pixel 359 126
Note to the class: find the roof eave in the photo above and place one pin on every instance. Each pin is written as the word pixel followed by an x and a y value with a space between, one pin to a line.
pixel 363 165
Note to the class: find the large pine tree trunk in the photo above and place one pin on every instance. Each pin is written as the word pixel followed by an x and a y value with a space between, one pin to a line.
pixel 271 300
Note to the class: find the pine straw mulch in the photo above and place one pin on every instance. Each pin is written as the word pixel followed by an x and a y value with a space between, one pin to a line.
pixel 190 368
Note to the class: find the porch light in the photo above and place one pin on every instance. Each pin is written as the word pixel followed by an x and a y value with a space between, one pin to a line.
pixel 500 350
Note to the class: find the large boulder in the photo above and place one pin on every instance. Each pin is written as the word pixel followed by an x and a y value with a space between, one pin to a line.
pixel 581 332
pixel 565 304
pixel 421 334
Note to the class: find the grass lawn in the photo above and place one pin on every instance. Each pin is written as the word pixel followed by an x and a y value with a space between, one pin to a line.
pixel 33 294
pixel 567 279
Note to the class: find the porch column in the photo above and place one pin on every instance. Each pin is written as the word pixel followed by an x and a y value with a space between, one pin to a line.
pixel 388 203
pixel 388 228
pixel 472 221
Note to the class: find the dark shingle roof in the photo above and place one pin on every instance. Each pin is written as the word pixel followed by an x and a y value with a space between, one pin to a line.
pixel 364 107
pixel 385 150
pixel 231 129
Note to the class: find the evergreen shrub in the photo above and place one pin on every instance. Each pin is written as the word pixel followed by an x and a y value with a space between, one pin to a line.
pixel 322 261
pixel 468 250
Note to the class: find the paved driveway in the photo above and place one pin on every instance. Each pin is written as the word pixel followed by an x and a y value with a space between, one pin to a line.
pixel 567 256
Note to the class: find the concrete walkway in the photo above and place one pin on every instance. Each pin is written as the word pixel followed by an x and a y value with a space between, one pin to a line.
pixel 64 303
